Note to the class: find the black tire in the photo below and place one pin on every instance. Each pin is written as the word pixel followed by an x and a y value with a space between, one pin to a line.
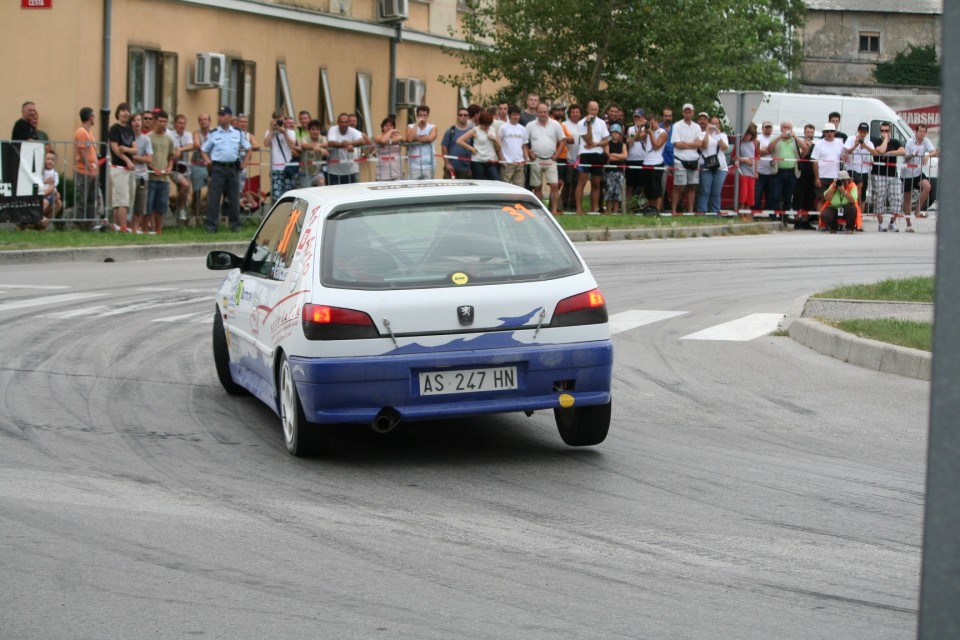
pixel 221 358
pixel 301 437
pixel 583 426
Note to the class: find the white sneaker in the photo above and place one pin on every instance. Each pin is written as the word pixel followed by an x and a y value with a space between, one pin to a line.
pixel 893 228
pixel 182 215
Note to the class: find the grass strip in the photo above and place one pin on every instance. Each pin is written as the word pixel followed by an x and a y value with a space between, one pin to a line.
pixel 905 333
pixel 918 289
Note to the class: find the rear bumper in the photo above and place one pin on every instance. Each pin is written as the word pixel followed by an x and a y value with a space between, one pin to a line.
pixel 337 390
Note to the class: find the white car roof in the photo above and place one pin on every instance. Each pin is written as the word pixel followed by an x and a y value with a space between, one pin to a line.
pixel 363 191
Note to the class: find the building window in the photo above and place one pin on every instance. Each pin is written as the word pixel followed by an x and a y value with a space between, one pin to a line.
pixel 869 42
pixel 284 100
pixel 238 90
pixel 362 109
pixel 325 113
pixel 151 79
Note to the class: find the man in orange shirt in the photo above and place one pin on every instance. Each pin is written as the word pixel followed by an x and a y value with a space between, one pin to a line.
pixel 85 181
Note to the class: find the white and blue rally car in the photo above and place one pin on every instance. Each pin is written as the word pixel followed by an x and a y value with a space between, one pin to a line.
pixel 381 302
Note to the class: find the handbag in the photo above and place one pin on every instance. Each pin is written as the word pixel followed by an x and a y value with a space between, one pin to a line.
pixel 690 165
pixel 711 163
pixel 289 170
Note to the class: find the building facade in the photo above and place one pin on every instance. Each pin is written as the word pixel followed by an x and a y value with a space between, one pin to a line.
pixel 322 56
pixel 843 40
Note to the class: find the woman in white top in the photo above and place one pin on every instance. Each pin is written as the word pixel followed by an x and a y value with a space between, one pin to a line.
pixel 712 179
pixel 653 142
pixel 485 150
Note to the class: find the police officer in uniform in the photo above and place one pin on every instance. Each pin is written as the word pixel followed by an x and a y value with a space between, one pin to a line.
pixel 222 152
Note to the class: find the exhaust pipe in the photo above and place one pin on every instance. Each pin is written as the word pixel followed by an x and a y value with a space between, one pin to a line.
pixel 386 420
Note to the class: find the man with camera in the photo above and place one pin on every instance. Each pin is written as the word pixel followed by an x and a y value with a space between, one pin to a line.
pixel 221 153
pixel 841 200
pixel 284 168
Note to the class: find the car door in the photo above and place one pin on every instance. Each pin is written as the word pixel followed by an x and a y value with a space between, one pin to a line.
pixel 262 295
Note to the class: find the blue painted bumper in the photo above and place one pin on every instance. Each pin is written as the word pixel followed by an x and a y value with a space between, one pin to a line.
pixel 336 390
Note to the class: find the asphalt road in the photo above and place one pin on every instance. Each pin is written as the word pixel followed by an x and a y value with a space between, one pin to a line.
pixel 748 488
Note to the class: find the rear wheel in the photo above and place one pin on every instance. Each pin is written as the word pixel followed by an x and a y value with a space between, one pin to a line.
pixel 221 358
pixel 583 426
pixel 301 437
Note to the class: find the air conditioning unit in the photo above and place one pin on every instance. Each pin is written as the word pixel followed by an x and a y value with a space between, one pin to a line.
pixel 211 70
pixel 392 10
pixel 410 91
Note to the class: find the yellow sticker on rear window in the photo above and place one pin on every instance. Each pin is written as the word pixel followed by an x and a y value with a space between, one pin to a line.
pixel 459 278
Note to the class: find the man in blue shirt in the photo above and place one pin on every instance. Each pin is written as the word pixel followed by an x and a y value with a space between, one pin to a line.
pixel 222 152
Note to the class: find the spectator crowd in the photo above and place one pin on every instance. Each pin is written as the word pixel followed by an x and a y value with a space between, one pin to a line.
pixel 558 152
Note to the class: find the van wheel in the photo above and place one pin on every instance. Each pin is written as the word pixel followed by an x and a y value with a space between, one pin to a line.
pixel 301 437
pixel 583 426
pixel 221 358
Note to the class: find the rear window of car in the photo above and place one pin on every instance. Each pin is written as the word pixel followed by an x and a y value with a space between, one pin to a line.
pixel 441 244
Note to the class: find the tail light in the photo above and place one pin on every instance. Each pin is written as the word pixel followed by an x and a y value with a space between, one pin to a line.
pixel 322 322
pixel 588 307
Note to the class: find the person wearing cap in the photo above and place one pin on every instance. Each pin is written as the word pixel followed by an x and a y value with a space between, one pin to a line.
pixel 826 156
pixel 840 198
pixel 221 153
pixel 858 152
pixel 636 137
pixel 686 137
pixel 763 190
pixel 834 119
pixel 613 175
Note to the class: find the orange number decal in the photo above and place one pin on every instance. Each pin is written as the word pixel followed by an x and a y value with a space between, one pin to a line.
pixel 519 212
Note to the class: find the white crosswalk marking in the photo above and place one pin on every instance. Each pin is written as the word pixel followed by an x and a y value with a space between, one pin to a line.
pixel 627 320
pixel 741 329
pixel 47 300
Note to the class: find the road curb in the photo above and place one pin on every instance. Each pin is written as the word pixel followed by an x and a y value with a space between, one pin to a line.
pixel 154 251
pixel 119 254
pixel 862 352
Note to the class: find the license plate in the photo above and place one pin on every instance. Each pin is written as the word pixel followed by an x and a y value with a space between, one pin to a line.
pixel 435 383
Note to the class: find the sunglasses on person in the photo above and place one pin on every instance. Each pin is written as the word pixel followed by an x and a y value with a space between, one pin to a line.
pixel 464 114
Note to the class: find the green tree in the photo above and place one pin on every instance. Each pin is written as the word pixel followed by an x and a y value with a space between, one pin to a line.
pixel 636 52
pixel 917 66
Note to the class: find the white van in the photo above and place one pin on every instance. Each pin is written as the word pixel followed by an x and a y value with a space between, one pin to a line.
pixel 803 108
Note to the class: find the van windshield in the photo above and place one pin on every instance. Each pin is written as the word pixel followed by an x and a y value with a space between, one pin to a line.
pixel 444 244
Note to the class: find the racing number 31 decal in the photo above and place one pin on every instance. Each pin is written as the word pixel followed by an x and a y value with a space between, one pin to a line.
pixel 519 212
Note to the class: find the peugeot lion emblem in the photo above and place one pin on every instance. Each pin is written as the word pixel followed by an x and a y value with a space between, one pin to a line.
pixel 465 314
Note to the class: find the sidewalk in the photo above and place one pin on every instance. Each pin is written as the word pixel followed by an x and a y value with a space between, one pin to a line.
pixel 802 326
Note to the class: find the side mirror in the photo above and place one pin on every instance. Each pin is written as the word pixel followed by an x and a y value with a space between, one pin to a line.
pixel 222 261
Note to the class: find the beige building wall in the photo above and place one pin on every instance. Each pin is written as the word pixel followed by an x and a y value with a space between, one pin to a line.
pixel 54 56
pixel 831 42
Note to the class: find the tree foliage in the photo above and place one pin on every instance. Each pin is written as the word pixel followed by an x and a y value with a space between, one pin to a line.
pixel 917 66
pixel 636 52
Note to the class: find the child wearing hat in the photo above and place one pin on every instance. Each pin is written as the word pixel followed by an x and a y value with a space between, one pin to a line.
pixel 613 175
